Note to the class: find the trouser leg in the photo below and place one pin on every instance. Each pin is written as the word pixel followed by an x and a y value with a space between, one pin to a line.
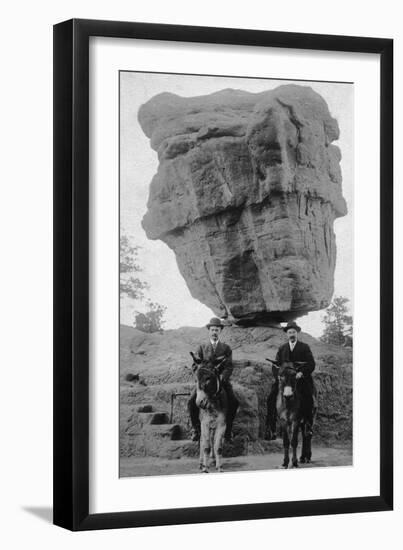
pixel 233 405
pixel 307 391
pixel 271 410
pixel 193 410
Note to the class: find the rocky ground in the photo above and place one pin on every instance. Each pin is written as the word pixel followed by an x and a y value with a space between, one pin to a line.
pixel 155 382
pixel 338 455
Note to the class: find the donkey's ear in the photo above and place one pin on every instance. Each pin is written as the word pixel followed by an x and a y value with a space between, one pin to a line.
pixel 220 363
pixel 274 363
pixel 220 366
pixel 195 359
pixel 299 365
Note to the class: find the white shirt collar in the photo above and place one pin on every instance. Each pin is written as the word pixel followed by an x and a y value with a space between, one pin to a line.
pixel 214 343
pixel 292 345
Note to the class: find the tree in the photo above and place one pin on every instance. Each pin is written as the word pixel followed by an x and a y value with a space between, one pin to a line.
pixel 130 285
pixel 152 320
pixel 338 324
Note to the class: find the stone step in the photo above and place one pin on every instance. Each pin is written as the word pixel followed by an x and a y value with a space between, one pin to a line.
pixel 144 408
pixel 157 393
pixel 154 418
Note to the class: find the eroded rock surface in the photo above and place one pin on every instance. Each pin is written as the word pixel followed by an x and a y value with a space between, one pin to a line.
pixel 246 193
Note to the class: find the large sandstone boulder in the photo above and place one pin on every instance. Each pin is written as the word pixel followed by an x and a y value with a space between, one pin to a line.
pixel 246 193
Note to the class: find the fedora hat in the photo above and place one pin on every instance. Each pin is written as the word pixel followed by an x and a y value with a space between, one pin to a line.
pixel 293 325
pixel 215 322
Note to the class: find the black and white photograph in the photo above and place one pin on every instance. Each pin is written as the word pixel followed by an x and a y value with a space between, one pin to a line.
pixel 236 274
pixel 201 275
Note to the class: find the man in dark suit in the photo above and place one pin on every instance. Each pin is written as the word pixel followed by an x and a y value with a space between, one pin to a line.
pixel 292 351
pixel 214 350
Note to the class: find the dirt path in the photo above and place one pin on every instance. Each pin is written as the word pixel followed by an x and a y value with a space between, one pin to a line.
pixel 150 466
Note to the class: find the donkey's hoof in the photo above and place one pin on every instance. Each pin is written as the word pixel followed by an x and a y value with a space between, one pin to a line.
pixel 308 460
pixel 302 460
pixel 284 465
pixel 295 464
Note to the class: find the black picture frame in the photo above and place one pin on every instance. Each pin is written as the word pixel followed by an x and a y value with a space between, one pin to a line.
pixel 71 273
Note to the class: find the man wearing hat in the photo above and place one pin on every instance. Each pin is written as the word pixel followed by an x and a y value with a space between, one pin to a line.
pixel 292 351
pixel 214 350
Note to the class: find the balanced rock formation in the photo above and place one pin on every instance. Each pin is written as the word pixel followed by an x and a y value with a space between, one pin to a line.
pixel 246 193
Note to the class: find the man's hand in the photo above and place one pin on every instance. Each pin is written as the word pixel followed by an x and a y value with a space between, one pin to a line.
pixel 299 375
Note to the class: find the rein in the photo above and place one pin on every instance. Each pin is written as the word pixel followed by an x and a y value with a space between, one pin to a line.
pixel 218 380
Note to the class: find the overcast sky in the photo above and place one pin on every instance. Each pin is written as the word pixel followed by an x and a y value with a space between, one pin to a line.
pixel 138 164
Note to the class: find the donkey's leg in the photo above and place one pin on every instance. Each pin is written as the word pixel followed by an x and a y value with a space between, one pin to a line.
pixel 308 446
pixel 206 452
pixel 205 444
pixel 201 456
pixel 294 443
pixel 309 426
pixel 202 436
pixel 310 431
pixel 219 441
pixel 303 451
pixel 315 402
pixel 212 453
pixel 286 444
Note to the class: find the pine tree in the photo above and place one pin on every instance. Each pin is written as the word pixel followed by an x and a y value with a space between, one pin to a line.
pixel 152 320
pixel 130 285
pixel 338 324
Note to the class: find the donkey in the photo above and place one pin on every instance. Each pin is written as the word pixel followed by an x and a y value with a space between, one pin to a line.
pixel 212 401
pixel 296 409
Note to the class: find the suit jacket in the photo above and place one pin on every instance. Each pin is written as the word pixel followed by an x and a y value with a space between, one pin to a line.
pixel 301 352
pixel 206 351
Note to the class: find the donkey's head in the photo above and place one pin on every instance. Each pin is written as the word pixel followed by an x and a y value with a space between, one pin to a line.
pixel 208 374
pixel 287 377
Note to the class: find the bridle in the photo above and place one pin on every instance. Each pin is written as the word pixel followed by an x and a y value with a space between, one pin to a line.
pixel 290 367
pixel 213 370
pixel 293 388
